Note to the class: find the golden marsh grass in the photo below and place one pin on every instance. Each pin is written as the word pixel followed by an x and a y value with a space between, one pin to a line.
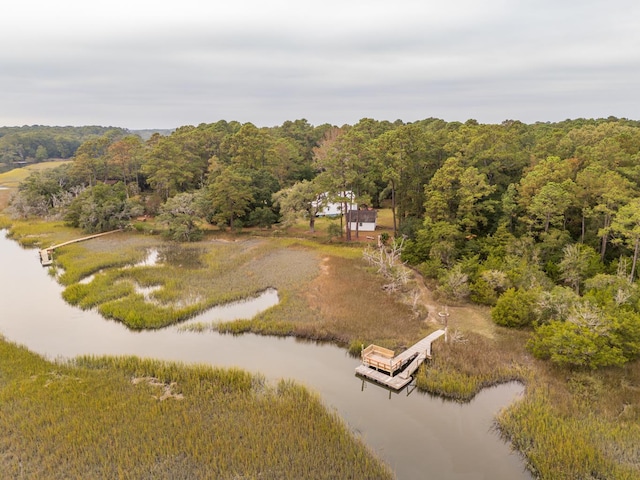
pixel 570 424
pixel 132 418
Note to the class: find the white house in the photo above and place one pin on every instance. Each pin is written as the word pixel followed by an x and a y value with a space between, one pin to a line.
pixel 362 220
pixel 333 208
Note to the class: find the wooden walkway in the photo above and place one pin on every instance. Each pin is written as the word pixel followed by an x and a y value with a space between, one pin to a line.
pixel 407 362
pixel 46 254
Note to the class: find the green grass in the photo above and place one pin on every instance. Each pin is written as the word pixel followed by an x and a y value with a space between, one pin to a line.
pixel 77 261
pixel 237 327
pixel 132 418
pixel 5 222
pixel 36 233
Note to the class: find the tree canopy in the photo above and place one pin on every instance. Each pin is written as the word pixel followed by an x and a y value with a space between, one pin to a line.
pixel 534 220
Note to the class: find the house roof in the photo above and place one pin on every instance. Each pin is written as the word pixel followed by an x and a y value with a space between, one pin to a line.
pixel 362 216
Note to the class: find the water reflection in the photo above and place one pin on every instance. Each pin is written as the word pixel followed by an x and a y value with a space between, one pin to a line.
pixel 242 309
pixel 417 435
pixel 86 280
pixel 183 256
pixel 147 292
pixel 150 260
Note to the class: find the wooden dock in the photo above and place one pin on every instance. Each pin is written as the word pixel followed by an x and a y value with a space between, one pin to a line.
pixel 46 254
pixel 379 364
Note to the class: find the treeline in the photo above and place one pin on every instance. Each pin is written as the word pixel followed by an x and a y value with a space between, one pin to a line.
pixel 227 172
pixel 36 143
pixel 540 221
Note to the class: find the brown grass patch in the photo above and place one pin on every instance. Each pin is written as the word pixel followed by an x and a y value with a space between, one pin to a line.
pixel 352 305
pixel 467 318
pixel 466 363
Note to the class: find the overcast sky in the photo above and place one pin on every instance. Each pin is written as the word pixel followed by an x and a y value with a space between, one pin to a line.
pixel 158 64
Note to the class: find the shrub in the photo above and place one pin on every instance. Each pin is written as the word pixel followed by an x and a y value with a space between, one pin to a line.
pixel 334 231
pixel 568 344
pixel 483 293
pixel 515 308
pixel 262 217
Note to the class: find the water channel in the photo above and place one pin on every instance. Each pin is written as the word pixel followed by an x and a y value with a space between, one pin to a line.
pixel 419 436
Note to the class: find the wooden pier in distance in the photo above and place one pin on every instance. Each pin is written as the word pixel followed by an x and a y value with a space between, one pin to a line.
pixel 46 254
pixel 380 365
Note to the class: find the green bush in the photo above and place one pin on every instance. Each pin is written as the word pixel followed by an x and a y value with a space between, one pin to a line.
pixel 569 345
pixel 515 308
pixel 483 293
pixel 334 231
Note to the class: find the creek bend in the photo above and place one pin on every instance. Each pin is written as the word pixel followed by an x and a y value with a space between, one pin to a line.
pixel 417 435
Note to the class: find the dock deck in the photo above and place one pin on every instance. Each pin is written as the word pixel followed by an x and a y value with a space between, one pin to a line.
pixel 395 383
pixel 396 371
pixel 45 257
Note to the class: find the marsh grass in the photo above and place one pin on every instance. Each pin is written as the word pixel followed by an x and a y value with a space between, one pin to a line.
pixel 352 305
pixel 262 327
pixel 5 199
pixel 79 262
pixel 36 233
pixel 569 424
pixel 342 304
pixel 113 418
pixel 326 292
pixel 355 348
pixel 579 444
pixel 460 369
pixel 5 222
pixel 187 280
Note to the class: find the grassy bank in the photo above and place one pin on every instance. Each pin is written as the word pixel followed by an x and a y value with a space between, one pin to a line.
pixel 325 290
pixel 570 424
pixel 461 368
pixel 565 436
pixel 131 418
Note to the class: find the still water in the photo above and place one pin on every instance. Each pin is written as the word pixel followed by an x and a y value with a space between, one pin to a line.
pixel 419 436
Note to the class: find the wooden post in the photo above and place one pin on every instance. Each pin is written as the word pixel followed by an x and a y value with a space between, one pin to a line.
pixel 444 318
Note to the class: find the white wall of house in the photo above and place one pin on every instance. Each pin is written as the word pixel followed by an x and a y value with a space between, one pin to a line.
pixel 334 209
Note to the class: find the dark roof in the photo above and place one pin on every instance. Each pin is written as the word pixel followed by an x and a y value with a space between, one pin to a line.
pixel 362 216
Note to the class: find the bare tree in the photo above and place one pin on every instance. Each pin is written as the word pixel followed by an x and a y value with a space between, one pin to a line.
pixel 389 264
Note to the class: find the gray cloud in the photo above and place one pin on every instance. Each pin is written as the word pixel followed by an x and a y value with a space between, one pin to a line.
pixel 266 62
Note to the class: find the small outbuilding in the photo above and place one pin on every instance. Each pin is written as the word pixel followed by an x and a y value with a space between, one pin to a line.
pixel 362 220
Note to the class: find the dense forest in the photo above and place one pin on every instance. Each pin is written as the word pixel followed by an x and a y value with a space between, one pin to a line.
pixel 541 222
pixel 37 143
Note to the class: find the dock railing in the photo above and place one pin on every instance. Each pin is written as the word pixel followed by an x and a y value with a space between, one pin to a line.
pixel 380 365
pixel 381 358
